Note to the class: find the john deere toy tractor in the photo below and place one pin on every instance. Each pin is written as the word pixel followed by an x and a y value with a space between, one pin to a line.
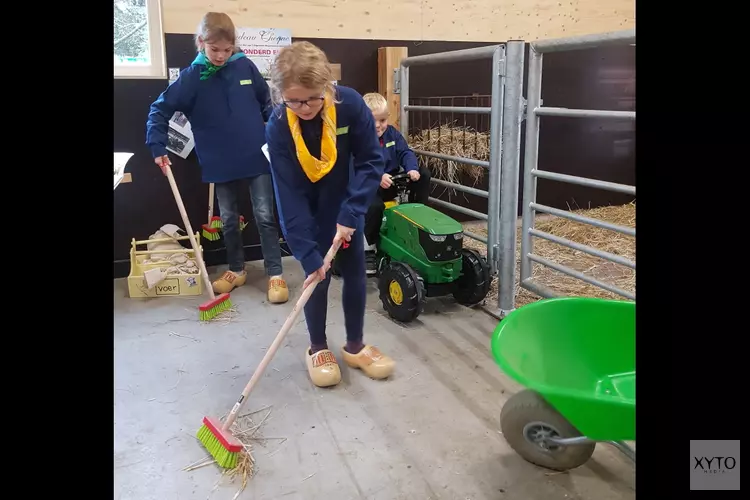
pixel 421 255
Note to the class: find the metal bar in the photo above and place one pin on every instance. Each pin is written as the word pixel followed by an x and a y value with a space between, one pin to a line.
pixel 583 248
pixel 461 187
pixel 571 441
pixel 496 147
pixel 583 113
pixel 583 181
pixel 479 110
pixel 475 236
pixel 579 275
pixel 530 159
pixel 404 100
pixel 624 448
pixel 623 37
pixel 630 231
pixel 451 56
pixel 457 159
pixel 538 289
pixel 511 154
pixel 459 209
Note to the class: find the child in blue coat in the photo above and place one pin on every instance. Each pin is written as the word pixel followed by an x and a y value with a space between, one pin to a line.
pixel 227 102
pixel 399 158
pixel 326 165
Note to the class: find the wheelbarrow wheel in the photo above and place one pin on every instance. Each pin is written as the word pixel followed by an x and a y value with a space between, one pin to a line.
pixel 526 418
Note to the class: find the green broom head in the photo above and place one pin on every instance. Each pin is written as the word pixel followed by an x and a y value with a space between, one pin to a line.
pixel 213 308
pixel 210 233
pixel 216 222
pixel 222 446
pixel 243 224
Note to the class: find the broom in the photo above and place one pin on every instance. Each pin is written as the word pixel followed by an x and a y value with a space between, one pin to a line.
pixel 211 228
pixel 216 305
pixel 215 436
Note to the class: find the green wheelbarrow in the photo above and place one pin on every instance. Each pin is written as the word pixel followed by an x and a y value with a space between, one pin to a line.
pixel 575 356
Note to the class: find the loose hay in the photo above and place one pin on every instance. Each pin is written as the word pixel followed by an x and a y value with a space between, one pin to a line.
pixel 454 141
pixel 246 431
pixel 595 267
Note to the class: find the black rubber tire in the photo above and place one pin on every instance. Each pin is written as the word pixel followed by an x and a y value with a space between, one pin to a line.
pixel 413 292
pixel 528 407
pixel 474 283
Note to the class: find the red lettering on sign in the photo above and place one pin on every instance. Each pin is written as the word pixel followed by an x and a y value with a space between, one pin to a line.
pixel 258 52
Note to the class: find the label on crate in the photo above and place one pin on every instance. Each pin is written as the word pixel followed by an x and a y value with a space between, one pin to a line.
pixel 170 286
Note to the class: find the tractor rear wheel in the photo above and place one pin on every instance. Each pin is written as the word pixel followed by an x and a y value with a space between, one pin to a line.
pixel 474 283
pixel 401 292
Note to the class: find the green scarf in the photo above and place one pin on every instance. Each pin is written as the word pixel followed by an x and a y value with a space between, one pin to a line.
pixel 211 70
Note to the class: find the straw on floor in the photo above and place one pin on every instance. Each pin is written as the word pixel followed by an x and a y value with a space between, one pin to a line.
pixel 247 431
pixel 595 267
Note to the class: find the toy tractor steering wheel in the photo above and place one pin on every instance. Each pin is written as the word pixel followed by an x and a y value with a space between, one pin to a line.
pixel 401 183
pixel 401 177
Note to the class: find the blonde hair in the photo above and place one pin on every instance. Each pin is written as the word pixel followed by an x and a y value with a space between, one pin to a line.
pixel 304 64
pixel 376 102
pixel 215 26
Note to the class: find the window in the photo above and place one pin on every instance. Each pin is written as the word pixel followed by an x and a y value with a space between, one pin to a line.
pixel 139 39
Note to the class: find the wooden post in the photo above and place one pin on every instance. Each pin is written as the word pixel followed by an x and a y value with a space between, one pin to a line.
pixel 336 69
pixel 389 60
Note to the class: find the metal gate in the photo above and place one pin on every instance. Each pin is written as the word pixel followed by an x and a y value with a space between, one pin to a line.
pixel 532 173
pixel 505 113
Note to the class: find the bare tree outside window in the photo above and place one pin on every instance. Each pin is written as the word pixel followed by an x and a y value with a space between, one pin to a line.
pixel 131 44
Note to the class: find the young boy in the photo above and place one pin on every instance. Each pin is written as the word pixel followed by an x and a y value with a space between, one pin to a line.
pixel 398 158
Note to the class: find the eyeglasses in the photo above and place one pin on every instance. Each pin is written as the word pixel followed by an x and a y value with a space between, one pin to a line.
pixel 312 102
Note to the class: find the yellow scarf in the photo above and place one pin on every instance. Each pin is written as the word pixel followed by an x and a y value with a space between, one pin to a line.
pixel 316 169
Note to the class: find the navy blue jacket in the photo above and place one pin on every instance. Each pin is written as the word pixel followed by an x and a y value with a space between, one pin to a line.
pixel 227 114
pixel 309 211
pixel 397 152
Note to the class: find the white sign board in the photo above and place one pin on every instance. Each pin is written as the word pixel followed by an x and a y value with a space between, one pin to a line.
pixel 262 44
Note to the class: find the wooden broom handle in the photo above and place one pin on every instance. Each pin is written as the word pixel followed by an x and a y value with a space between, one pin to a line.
pixel 189 228
pixel 277 342
pixel 210 202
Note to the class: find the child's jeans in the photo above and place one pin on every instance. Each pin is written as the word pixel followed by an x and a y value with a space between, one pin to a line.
pixel 261 195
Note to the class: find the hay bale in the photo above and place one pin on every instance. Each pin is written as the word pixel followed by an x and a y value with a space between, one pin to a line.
pixel 453 140
pixel 595 267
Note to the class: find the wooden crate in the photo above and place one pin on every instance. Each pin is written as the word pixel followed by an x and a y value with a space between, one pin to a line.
pixel 174 285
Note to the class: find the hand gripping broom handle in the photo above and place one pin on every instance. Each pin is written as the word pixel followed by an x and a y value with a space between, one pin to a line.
pixel 189 228
pixel 277 341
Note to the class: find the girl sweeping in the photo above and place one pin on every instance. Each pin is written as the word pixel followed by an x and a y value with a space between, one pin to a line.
pixel 326 165
pixel 227 102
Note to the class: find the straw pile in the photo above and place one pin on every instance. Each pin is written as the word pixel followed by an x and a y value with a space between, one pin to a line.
pixel 454 141
pixel 246 431
pixel 601 239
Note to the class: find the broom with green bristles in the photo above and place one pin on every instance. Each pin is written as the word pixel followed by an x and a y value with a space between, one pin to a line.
pixel 208 310
pixel 215 436
pixel 211 228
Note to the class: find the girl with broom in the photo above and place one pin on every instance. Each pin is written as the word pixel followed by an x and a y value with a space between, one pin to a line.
pixel 227 102
pixel 326 165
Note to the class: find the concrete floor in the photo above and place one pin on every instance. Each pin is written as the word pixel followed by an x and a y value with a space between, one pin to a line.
pixel 431 432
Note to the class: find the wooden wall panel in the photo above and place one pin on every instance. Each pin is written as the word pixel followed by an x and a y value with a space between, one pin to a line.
pixel 439 20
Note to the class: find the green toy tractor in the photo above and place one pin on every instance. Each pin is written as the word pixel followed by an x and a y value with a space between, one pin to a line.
pixel 420 254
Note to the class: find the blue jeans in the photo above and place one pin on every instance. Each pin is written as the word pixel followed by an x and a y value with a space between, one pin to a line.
pixel 261 195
